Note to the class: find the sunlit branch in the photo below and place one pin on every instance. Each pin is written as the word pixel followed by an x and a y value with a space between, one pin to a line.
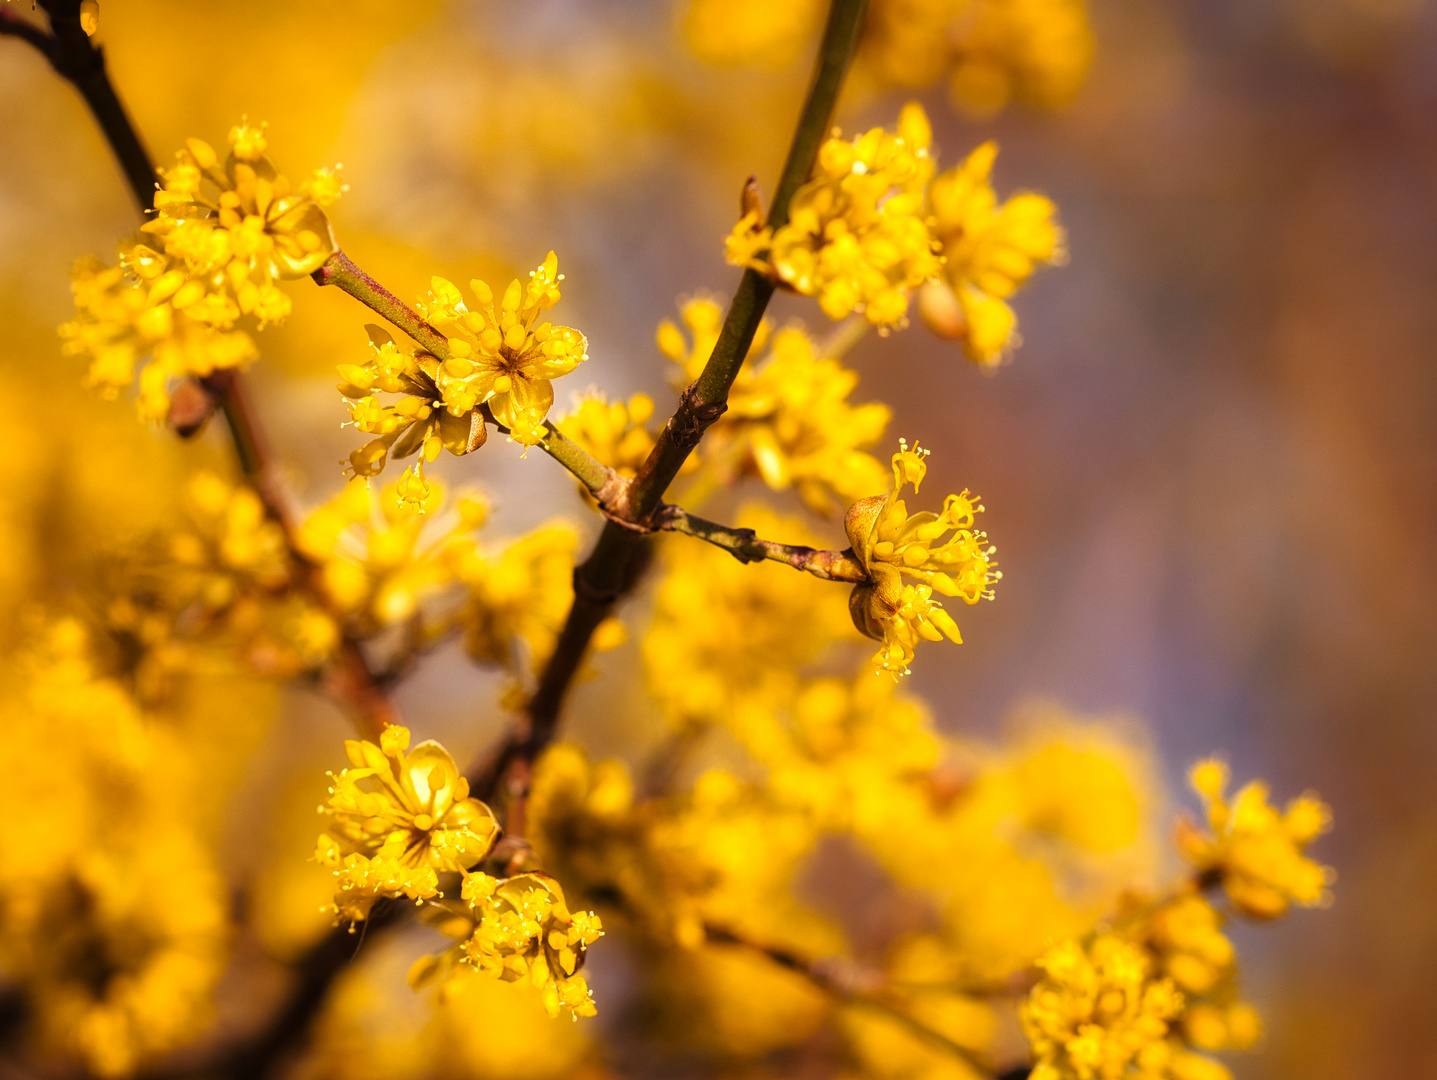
pixel 341 271
pixel 746 546
pixel 853 985
pixel 621 553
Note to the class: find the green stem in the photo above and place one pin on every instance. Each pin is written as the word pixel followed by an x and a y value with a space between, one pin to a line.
pixel 341 270
pixel 745 546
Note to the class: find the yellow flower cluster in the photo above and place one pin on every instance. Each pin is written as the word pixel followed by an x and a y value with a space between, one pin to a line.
pixel 375 566
pixel 720 853
pixel 890 544
pixel 525 931
pixel 499 356
pixel 1099 1013
pixel 993 51
pixel 1256 852
pixel 417 421
pixel 788 420
pixel 856 236
pixel 401 817
pixel 223 234
pixel 611 432
pixel 518 599
pixel 1185 936
pixel 875 224
pixel 989 250
pixel 113 914
pixel 233 572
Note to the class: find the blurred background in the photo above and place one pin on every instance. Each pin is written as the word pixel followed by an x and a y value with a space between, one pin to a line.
pixel 1209 470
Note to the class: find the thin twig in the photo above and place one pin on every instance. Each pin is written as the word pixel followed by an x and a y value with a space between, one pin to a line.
pixel 746 546
pixel 622 551
pixel 852 985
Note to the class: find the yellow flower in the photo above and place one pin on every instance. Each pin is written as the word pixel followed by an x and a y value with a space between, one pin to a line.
pixel 989 251
pixel 400 819
pixel 376 565
pixel 789 422
pixel 856 238
pixel 891 544
pixel 524 930
pixel 1254 851
pixel 416 421
pixel 703 316
pixel 992 51
pixel 613 433
pixel 1098 1013
pixel 119 323
pixel 500 356
pixel 222 235
pixel 519 598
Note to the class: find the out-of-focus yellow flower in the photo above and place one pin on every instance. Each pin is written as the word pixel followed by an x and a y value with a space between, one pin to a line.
pixel 232 573
pixel 993 51
pixel 613 433
pixel 749 32
pixel 728 638
pixel 788 419
pixel 519 598
pixel 401 817
pixel 1099 1014
pixel 416 421
pixel 857 238
pixel 223 234
pixel 119 322
pixel 524 930
pixel 849 754
pixel 105 818
pixel 499 355
pixel 703 317
pixel 376 566
pixel 1256 852
pixel 989 251
pixel 890 544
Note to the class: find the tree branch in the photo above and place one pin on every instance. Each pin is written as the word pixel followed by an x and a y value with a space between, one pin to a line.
pixel 745 546
pixel 622 552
